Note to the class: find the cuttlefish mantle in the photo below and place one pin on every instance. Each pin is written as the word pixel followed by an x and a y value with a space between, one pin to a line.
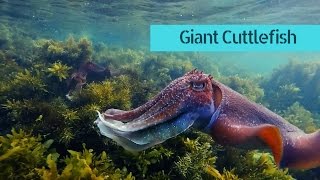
pixel 197 100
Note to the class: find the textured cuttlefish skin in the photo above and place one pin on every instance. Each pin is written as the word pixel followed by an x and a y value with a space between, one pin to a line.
pixel 198 100
pixel 245 123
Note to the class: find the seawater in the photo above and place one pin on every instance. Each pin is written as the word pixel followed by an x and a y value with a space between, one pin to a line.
pixel 125 24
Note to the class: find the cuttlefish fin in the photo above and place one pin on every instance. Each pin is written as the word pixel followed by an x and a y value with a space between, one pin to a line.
pixel 226 132
pixel 303 152
pixel 271 136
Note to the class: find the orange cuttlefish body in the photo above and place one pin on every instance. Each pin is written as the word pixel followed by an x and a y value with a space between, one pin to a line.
pixel 197 100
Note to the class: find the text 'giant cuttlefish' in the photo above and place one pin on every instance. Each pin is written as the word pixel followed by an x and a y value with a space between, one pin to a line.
pixel 197 100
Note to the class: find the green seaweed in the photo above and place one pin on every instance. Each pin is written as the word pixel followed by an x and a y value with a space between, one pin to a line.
pixel 27 83
pixel 298 80
pixel 59 70
pixel 70 52
pixel 247 87
pixel 299 116
pixel 194 163
pixel 253 165
pixel 24 148
pixel 32 98
pixel 144 160
pixel 110 93
pixel 52 118
pixel 83 165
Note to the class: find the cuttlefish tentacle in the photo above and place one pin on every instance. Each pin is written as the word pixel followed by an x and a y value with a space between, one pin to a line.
pixel 144 122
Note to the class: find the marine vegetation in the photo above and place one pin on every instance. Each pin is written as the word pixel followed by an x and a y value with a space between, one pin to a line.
pixel 298 80
pixel 45 131
pixel 27 150
pixel 245 86
pixel 59 70
pixel 71 52
pixel 82 165
pixel 299 116
pixel 253 165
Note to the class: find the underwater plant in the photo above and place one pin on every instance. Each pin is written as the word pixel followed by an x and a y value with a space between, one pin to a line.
pixel 25 84
pixel 253 165
pixel 118 57
pixel 194 163
pixel 164 68
pixel 145 162
pixel 299 116
pixel 52 118
pixel 114 92
pixel 197 159
pixel 32 97
pixel 59 70
pixel 83 165
pixel 27 150
pixel 298 80
pixel 69 52
pixel 5 37
pixel 245 86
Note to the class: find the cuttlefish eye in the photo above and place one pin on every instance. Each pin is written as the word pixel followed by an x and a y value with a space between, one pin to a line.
pixel 198 86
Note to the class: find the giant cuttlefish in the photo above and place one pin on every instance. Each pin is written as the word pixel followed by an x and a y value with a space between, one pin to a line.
pixel 197 100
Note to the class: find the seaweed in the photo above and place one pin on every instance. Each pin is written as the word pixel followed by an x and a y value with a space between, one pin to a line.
pixel 194 163
pixel 83 165
pixel 297 80
pixel 245 86
pixel 59 70
pixel 37 161
pixel 147 162
pixel 300 117
pixel 110 93
pixel 32 98
pixel 52 118
pixel 24 84
pixel 24 148
pixel 252 165
pixel 70 52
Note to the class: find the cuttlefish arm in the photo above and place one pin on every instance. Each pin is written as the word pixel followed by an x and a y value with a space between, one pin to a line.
pixel 148 137
pixel 243 123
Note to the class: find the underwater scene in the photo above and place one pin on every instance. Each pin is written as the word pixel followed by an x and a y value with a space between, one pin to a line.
pixel 83 97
